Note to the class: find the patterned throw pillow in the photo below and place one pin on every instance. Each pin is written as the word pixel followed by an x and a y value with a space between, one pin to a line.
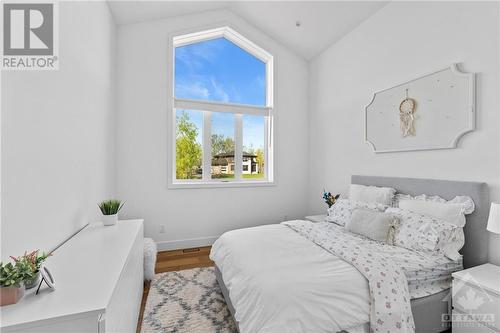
pixel 452 241
pixel 342 210
pixel 420 232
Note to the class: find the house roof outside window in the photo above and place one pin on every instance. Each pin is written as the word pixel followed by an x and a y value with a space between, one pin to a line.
pixel 226 158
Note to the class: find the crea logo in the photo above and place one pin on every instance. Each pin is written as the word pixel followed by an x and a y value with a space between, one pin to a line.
pixel 30 36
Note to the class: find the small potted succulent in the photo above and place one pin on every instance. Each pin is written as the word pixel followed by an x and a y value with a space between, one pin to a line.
pixel 11 282
pixel 109 210
pixel 34 260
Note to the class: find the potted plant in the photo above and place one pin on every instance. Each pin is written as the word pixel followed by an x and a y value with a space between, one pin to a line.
pixel 109 210
pixel 11 282
pixel 34 260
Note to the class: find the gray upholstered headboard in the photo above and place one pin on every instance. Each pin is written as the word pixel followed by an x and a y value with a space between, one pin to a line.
pixel 475 251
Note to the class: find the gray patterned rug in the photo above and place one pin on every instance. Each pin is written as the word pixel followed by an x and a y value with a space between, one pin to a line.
pixel 188 301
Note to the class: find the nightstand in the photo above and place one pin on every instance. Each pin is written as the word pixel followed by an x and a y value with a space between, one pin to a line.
pixel 316 218
pixel 476 300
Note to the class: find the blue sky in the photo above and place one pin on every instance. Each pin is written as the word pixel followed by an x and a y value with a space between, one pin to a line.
pixel 218 70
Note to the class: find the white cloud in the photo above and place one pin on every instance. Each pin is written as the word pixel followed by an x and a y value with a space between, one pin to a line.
pixel 195 56
pixel 192 90
pixel 186 57
pixel 219 92
pixel 259 80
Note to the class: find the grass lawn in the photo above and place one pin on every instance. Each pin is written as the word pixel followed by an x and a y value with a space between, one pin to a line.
pixel 253 176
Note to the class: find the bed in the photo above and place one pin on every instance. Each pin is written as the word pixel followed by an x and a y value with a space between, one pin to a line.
pixel 305 290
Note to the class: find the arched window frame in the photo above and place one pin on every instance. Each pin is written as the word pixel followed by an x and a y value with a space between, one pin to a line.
pixel 237 109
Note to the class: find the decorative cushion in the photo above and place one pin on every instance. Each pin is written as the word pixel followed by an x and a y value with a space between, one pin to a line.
pixel 373 224
pixel 372 194
pixel 341 211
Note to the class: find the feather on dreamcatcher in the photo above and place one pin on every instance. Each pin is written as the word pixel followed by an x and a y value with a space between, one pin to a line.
pixel 407 110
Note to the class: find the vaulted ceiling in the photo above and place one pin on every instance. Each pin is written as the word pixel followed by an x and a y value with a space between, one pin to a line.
pixel 321 23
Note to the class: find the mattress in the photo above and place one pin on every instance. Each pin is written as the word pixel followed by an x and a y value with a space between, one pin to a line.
pixel 432 277
pixel 276 278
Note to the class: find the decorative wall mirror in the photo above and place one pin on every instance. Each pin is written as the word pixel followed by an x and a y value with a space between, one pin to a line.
pixel 431 112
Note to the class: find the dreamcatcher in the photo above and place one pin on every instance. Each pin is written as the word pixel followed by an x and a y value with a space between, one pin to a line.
pixel 407 110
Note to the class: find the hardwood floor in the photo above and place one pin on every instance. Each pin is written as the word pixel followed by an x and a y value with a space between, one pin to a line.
pixel 168 261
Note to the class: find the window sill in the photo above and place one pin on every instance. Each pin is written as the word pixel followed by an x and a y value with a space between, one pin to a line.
pixel 219 184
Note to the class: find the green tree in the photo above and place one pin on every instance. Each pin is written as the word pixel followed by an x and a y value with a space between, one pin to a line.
pixel 260 159
pixel 188 150
pixel 221 144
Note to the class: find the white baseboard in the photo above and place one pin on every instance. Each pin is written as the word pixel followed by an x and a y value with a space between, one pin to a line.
pixel 185 243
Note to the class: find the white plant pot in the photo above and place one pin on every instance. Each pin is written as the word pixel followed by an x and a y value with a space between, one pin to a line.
pixel 109 219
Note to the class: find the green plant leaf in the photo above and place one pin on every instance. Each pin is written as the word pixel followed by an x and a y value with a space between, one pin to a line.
pixel 110 207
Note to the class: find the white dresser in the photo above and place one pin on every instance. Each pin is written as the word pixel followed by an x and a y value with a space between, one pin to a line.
pixel 99 285
pixel 476 300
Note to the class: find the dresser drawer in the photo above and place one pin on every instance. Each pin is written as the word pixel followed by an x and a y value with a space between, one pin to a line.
pixel 483 305
pixel 463 323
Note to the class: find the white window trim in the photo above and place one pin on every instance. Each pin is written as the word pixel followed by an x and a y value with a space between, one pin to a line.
pixel 210 106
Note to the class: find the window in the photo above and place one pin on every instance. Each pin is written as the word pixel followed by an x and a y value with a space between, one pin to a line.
pixel 222 110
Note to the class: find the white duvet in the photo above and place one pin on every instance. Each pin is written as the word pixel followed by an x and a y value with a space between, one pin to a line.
pixel 278 279
pixel 281 281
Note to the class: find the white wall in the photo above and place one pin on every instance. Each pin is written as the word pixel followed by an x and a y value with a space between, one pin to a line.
pixel 402 41
pixel 57 135
pixel 143 140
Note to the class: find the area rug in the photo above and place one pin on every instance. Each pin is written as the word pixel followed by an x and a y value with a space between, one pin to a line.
pixel 188 301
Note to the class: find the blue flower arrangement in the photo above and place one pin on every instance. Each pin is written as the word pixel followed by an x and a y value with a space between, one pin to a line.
pixel 329 198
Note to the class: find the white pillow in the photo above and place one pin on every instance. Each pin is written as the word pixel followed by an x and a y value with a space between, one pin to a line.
pixel 373 224
pixel 465 201
pixel 342 209
pixel 374 194
pixel 450 212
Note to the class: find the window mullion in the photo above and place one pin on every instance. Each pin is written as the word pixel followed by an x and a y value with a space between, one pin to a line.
pixel 207 146
pixel 238 146
pixel 267 147
pixel 174 143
